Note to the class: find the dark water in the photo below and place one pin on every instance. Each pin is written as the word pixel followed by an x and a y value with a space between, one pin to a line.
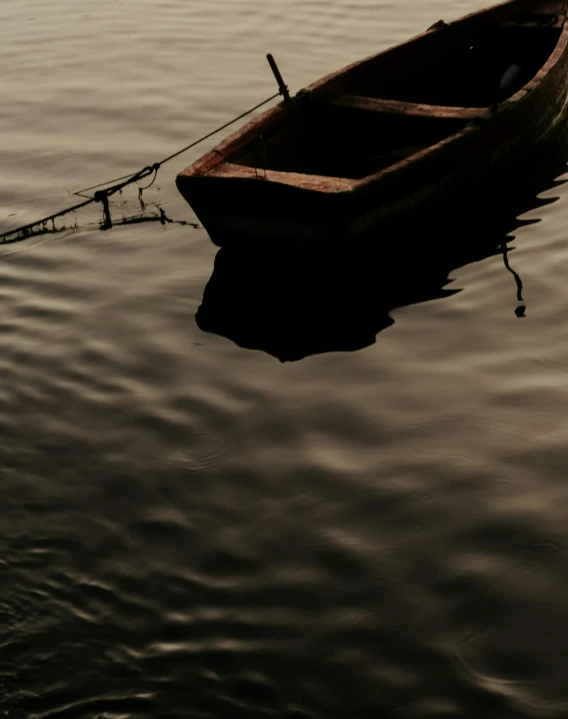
pixel 194 527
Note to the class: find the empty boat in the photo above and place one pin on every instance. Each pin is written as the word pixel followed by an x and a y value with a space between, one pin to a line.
pixel 415 127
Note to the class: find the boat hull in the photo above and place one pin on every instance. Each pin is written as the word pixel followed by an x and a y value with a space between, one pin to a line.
pixel 244 205
pixel 233 215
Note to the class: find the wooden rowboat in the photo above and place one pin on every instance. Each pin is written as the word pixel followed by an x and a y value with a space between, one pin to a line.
pixel 408 129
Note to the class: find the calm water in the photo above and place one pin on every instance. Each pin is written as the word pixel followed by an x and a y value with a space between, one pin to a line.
pixel 194 529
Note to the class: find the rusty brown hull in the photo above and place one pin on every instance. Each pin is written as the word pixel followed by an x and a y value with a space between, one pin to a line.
pixel 374 144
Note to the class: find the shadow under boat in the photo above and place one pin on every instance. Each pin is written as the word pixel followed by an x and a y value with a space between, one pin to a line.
pixel 297 303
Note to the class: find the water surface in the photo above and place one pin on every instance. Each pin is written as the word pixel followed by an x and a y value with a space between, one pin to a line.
pixel 192 527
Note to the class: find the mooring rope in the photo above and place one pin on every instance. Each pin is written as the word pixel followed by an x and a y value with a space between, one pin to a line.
pixel 102 195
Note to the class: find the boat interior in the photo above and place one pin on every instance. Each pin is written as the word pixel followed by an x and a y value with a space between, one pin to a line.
pixel 336 141
pixel 396 105
pixel 465 70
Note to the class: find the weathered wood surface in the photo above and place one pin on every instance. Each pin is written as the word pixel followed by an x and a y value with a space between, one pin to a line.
pixel 236 201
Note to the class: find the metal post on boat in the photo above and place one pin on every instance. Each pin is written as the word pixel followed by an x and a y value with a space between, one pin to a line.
pixel 281 84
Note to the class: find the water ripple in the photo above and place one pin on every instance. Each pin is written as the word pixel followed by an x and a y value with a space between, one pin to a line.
pixel 192 529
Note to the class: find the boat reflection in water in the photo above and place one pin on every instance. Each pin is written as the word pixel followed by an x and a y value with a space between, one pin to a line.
pixel 295 304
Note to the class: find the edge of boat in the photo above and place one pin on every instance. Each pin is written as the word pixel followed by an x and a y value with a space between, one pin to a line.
pixel 214 166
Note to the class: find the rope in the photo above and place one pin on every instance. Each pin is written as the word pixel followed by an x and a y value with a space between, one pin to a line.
pixel 223 127
pixel 102 195
pixel 191 145
pixel 24 229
